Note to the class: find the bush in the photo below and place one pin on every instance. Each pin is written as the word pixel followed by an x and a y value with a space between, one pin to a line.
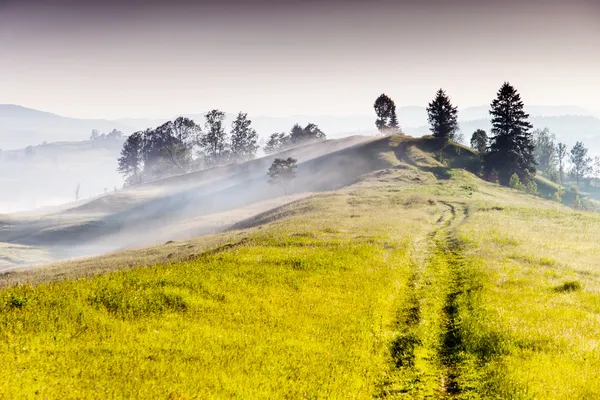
pixel 569 286
pixel 515 182
pixel 531 187
pixel 18 301
pixel 559 194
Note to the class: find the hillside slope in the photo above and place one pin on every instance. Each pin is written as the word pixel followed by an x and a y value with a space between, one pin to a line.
pixel 414 280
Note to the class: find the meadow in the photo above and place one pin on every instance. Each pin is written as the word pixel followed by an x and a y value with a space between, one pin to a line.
pixel 418 281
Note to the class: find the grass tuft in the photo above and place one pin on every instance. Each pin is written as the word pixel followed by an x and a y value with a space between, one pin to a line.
pixel 569 286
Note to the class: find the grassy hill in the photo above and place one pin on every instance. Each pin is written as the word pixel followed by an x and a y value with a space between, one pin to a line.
pixel 403 275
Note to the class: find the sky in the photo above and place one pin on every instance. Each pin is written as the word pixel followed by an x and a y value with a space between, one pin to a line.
pixel 155 59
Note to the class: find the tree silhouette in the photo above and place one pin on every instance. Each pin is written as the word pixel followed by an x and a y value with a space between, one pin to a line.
pixel 442 117
pixel 581 163
pixel 215 139
pixel 561 153
pixel 243 139
pixel 310 133
pixel 479 141
pixel 385 109
pixel 511 147
pixel 277 142
pixel 544 150
pixel 282 172
pixel 130 162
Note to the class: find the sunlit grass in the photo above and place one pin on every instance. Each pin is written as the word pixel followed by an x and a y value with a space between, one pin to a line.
pixel 414 282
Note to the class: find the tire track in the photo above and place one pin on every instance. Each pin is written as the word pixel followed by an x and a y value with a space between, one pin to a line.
pixel 425 351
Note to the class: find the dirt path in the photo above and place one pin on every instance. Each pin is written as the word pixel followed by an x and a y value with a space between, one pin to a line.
pixel 426 350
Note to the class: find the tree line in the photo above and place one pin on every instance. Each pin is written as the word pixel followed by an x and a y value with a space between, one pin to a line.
pixel 512 152
pixel 182 146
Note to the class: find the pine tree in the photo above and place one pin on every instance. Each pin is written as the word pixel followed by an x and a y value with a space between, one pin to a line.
pixel 296 134
pixel 243 139
pixel 394 127
pixel 511 145
pixel 443 117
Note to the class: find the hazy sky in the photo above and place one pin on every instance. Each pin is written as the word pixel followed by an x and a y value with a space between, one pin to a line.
pixel 141 58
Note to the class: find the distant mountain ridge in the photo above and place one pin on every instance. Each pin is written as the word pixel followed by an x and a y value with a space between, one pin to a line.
pixel 21 126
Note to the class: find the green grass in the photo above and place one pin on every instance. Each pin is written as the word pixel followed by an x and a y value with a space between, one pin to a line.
pixel 418 281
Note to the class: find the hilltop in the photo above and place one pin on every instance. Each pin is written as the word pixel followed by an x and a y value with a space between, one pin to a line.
pixel 395 273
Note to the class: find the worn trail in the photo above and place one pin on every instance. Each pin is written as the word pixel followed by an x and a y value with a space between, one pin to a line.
pixel 426 350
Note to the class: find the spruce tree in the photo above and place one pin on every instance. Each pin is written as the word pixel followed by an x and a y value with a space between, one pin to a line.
pixel 443 117
pixel 511 145
pixel 394 127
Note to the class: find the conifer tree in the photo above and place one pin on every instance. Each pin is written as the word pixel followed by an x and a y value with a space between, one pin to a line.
pixel 443 117
pixel 394 127
pixel 511 145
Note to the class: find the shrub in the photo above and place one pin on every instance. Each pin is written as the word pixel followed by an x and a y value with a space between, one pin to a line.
pixel 515 182
pixel 569 286
pixel 531 187
pixel 18 301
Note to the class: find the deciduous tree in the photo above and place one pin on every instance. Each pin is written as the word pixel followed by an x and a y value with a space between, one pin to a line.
pixel 244 139
pixel 479 141
pixel 581 164
pixel 385 109
pixel 131 161
pixel 282 172
pixel 215 139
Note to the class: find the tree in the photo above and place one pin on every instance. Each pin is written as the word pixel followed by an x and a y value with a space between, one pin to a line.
pixel 394 126
pixel 515 182
pixel 114 134
pixel 277 142
pixel 77 192
pixel 215 140
pixel 561 153
pixel 95 134
pixel 581 163
pixel 243 139
pixel 544 150
pixel 511 146
pixel 310 133
pixel 385 109
pixel 29 151
pixel 442 117
pixel 130 162
pixel 479 141
pixel 168 148
pixel 282 172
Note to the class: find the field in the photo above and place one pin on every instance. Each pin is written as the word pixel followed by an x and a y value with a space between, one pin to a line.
pixel 417 281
